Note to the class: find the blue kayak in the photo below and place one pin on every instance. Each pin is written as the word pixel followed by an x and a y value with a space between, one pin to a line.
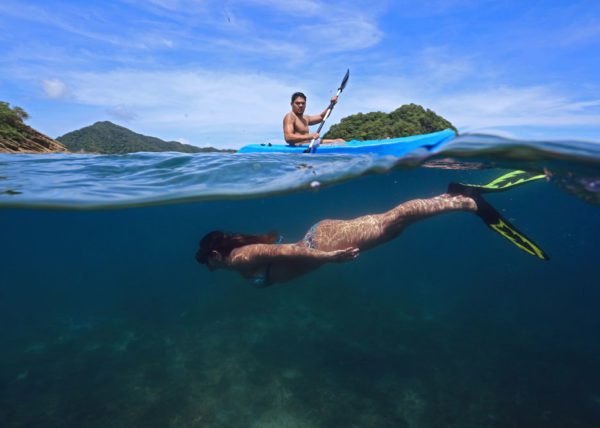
pixel 389 147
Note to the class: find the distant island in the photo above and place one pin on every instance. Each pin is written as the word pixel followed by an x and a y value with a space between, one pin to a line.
pixel 409 119
pixel 108 138
pixel 101 137
pixel 16 137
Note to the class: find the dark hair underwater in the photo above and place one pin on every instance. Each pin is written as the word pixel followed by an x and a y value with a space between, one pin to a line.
pixel 225 243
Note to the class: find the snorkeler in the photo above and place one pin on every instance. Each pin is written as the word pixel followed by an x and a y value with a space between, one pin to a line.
pixel 263 261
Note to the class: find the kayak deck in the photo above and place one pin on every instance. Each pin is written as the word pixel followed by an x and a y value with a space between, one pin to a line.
pixel 391 146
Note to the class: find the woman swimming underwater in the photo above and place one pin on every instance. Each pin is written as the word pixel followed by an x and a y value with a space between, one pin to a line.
pixel 263 261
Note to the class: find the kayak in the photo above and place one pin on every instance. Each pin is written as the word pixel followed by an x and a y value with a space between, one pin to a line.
pixel 388 147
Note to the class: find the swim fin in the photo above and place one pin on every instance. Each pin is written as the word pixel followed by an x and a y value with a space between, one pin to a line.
pixel 506 181
pixel 495 221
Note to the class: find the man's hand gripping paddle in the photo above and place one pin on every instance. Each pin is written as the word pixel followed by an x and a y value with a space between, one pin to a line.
pixel 312 147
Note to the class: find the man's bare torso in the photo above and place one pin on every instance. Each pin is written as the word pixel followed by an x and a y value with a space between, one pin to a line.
pixel 296 124
pixel 300 124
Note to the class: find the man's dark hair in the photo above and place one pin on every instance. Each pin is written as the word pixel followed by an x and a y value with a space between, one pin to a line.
pixel 298 94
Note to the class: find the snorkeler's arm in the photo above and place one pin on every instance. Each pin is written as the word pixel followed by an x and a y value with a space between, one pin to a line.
pixel 259 254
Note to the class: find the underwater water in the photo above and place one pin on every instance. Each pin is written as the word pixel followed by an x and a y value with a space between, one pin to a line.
pixel 106 319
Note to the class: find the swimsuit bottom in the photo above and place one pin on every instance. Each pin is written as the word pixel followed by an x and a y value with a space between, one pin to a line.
pixel 309 238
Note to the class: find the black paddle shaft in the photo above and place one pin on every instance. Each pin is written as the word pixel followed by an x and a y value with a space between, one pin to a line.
pixel 330 108
pixel 332 104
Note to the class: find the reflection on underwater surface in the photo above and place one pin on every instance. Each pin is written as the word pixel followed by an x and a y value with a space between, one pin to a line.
pixel 107 320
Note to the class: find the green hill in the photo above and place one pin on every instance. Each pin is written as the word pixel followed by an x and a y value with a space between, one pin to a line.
pixel 409 119
pixel 16 137
pixel 108 138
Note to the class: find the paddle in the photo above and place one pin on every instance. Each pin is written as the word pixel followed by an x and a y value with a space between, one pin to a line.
pixel 311 148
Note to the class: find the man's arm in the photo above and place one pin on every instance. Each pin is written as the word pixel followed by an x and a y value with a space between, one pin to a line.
pixel 313 120
pixel 292 137
pixel 259 254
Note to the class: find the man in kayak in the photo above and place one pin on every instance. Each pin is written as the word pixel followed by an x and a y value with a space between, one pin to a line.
pixel 296 123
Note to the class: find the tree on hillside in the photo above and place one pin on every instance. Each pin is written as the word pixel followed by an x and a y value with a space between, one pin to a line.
pixel 12 115
pixel 22 114
pixel 409 119
pixel 11 121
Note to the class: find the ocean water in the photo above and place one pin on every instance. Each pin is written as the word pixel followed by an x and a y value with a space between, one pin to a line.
pixel 106 319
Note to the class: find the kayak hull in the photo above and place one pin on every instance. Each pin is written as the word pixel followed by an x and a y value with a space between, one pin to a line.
pixel 389 147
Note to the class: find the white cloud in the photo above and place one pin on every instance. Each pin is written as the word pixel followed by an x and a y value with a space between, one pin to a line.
pixel 121 112
pixel 188 103
pixel 437 7
pixel 215 96
pixel 518 106
pixel 220 30
pixel 344 34
pixel 581 32
pixel 487 106
pixel 55 88
pixel 237 108
pixel 442 68
pixel 167 4
pixel 297 7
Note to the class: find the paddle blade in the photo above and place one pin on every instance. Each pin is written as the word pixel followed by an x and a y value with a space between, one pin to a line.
pixel 346 77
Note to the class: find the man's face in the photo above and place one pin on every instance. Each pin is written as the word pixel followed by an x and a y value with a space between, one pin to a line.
pixel 299 105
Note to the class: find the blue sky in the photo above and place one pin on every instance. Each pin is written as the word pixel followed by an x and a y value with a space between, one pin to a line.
pixel 220 73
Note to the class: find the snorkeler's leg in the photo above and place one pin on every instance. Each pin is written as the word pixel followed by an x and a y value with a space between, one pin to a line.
pixel 467 199
pixel 460 197
pixel 418 209
pixel 368 231
pixel 495 221
pixel 371 230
